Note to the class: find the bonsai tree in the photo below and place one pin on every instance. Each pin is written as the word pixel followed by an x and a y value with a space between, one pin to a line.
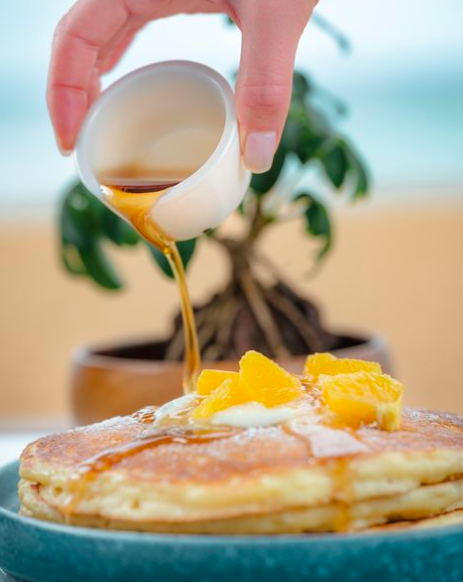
pixel 271 318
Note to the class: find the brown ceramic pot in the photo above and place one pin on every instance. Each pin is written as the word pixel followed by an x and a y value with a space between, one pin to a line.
pixel 120 378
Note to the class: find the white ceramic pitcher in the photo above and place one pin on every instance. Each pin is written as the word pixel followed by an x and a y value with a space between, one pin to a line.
pixel 177 115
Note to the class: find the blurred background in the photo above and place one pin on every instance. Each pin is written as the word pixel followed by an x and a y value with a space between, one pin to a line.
pixel 397 265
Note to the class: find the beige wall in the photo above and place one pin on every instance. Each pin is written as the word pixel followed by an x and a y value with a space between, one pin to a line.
pixel 397 270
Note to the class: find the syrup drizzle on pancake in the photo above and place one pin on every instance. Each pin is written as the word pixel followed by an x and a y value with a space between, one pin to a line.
pixel 317 437
pixel 421 432
pixel 346 441
pixel 107 459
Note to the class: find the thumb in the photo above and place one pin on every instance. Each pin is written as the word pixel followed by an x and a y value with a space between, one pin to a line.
pixel 271 31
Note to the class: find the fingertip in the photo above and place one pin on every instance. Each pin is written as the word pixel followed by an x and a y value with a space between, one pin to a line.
pixel 68 107
pixel 264 83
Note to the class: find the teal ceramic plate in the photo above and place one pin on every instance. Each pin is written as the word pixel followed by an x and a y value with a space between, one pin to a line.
pixel 36 551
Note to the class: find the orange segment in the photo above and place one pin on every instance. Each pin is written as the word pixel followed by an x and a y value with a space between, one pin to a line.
pixel 329 365
pixel 226 395
pixel 209 380
pixel 262 380
pixel 364 397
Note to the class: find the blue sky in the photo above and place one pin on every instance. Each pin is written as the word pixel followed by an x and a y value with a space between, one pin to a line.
pixel 403 83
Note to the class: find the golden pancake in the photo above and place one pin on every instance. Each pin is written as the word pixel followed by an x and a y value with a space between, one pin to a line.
pixel 142 473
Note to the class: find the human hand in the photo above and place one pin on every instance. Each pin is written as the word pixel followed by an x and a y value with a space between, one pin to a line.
pixel 94 34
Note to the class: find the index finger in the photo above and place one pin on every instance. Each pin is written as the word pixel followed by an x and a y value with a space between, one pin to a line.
pixel 85 29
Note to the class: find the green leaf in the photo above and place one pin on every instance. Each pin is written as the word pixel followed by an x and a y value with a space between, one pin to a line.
pixel 241 210
pixel 309 145
pixel 186 249
pixel 318 222
pixel 261 183
pixel 82 234
pixel 161 261
pixel 99 268
pixel 335 164
pixel 77 217
pixel 338 36
pixel 117 230
pixel 361 179
pixel 305 132
pixel 362 183
pixel 71 260
pixel 301 86
pixel 291 135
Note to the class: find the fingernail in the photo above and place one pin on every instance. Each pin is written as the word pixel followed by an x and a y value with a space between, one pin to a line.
pixel 259 150
pixel 64 152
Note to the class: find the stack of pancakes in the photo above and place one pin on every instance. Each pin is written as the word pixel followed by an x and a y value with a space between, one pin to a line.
pixel 293 478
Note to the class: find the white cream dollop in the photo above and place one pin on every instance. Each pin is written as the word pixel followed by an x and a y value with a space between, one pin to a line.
pixel 174 410
pixel 253 414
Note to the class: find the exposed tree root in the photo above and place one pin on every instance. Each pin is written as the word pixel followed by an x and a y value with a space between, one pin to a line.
pixel 250 315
